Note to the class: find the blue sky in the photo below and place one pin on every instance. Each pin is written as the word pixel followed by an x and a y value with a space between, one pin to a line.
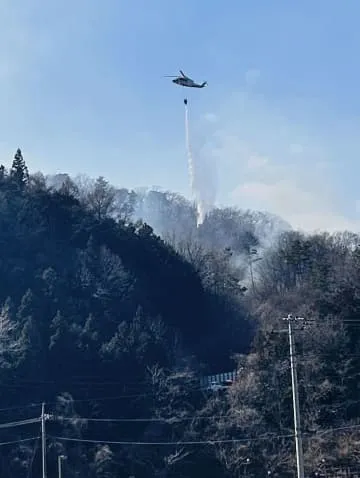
pixel 278 128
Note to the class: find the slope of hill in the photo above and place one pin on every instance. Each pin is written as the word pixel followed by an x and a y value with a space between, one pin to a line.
pixel 112 327
pixel 173 217
pixel 92 306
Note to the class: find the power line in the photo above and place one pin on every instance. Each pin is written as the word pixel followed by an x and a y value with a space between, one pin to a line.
pixel 20 423
pixel 18 441
pixel 172 443
pixel 154 419
pixel 265 436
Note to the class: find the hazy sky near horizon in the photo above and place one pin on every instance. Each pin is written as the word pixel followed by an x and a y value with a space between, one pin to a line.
pixel 277 129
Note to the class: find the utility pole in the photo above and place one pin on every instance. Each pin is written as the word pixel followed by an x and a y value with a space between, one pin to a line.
pixel 294 382
pixel 60 459
pixel 43 440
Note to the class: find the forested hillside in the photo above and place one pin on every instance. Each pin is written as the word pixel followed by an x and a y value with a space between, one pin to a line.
pixel 100 307
pixel 172 216
pixel 112 327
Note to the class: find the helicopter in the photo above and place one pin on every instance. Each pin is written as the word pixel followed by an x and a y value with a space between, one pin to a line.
pixel 184 80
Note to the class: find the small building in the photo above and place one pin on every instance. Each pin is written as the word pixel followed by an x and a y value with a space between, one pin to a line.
pixel 217 381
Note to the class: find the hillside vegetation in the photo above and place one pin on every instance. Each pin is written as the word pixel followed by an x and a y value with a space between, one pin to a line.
pixel 114 306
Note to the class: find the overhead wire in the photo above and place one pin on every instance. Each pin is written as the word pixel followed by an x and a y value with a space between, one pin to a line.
pixel 145 420
pixel 21 440
pixel 20 423
pixel 265 436
pixel 172 443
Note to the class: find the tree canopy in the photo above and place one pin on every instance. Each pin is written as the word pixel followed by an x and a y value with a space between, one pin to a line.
pixel 115 307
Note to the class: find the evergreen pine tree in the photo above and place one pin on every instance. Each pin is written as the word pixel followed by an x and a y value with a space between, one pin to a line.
pixel 19 171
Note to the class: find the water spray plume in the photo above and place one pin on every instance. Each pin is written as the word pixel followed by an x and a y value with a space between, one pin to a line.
pixel 189 152
pixel 200 209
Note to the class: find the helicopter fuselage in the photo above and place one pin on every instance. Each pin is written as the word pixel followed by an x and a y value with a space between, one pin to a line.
pixel 188 82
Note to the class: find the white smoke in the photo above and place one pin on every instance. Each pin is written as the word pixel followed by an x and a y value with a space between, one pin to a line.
pixel 198 189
